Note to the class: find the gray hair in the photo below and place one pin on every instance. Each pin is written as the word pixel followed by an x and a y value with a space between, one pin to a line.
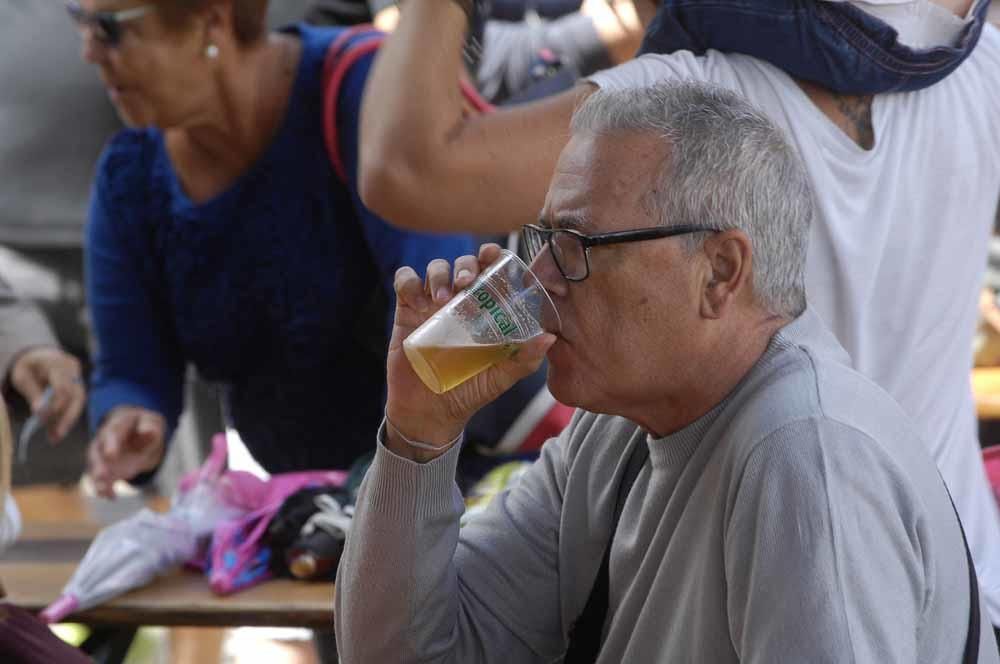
pixel 727 167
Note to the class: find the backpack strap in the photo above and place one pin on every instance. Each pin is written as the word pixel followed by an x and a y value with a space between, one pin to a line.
pixel 350 46
pixel 971 653
pixel 585 635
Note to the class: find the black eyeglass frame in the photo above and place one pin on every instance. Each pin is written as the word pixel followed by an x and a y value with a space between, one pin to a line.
pixel 602 239
pixel 108 24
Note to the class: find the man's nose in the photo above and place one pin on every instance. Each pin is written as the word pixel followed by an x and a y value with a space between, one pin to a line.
pixel 544 267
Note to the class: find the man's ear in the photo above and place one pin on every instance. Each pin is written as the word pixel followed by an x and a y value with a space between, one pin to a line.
pixel 729 255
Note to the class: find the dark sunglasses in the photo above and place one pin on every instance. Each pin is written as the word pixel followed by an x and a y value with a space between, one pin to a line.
pixel 106 26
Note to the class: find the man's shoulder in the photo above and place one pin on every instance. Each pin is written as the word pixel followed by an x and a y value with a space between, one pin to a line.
pixel 811 380
pixel 811 410
pixel 990 39
pixel 986 57
pixel 729 70
pixel 764 85
pixel 849 400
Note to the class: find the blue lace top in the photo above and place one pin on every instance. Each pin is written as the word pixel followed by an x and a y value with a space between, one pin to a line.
pixel 280 287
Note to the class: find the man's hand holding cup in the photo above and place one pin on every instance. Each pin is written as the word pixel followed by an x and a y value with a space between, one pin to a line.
pixel 415 412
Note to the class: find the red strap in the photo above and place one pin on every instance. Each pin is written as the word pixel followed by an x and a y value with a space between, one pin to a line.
pixel 477 101
pixel 340 57
pixel 331 93
pixel 342 40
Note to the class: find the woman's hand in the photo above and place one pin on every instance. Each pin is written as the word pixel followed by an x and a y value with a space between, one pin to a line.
pixel 43 367
pixel 412 409
pixel 130 442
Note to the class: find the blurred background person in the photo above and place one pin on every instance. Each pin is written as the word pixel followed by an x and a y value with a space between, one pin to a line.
pixel 220 236
pixel 36 371
pixel 39 375
pixel 46 164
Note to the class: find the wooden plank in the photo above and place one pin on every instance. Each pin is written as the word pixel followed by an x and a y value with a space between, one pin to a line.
pixel 986 387
pixel 179 598
pixel 53 504
pixel 58 527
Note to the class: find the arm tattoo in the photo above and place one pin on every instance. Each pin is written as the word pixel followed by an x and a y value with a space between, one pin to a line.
pixel 857 115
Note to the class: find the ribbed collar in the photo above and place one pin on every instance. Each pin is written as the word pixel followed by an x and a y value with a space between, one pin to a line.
pixel 675 449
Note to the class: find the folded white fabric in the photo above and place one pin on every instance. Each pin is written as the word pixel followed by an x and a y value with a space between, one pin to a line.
pixel 921 24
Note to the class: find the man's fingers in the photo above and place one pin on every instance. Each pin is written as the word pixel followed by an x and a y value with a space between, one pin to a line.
pixel 439 280
pixel 532 352
pixel 466 271
pixel 488 254
pixel 410 289
pixel 522 363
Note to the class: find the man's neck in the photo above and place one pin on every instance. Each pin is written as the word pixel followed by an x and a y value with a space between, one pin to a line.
pixel 711 378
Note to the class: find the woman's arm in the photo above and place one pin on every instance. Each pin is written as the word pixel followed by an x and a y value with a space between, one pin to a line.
pixel 138 363
pixel 427 165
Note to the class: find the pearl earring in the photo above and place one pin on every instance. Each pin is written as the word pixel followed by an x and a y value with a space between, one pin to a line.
pixel 212 51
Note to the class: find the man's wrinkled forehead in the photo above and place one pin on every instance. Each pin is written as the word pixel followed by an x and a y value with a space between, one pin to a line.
pixel 568 199
pixel 600 176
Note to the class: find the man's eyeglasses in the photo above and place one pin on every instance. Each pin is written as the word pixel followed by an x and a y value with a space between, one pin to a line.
pixel 571 249
pixel 106 26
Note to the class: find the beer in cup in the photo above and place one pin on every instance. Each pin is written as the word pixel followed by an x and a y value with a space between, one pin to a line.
pixel 484 324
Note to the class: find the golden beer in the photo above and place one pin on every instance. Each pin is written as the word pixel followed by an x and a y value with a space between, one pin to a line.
pixel 443 367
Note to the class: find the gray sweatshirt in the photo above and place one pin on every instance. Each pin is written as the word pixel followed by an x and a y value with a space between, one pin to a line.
pixel 795 522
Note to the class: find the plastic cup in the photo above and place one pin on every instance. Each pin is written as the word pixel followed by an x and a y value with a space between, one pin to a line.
pixel 481 326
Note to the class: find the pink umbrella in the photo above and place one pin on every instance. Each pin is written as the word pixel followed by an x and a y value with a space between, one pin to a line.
pixel 133 552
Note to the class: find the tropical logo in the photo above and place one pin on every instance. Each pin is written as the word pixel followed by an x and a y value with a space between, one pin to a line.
pixel 502 318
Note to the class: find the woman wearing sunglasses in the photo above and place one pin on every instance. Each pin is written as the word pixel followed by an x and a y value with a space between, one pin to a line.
pixel 220 236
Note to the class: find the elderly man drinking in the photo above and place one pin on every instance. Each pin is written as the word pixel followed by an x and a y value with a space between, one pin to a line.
pixel 753 498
